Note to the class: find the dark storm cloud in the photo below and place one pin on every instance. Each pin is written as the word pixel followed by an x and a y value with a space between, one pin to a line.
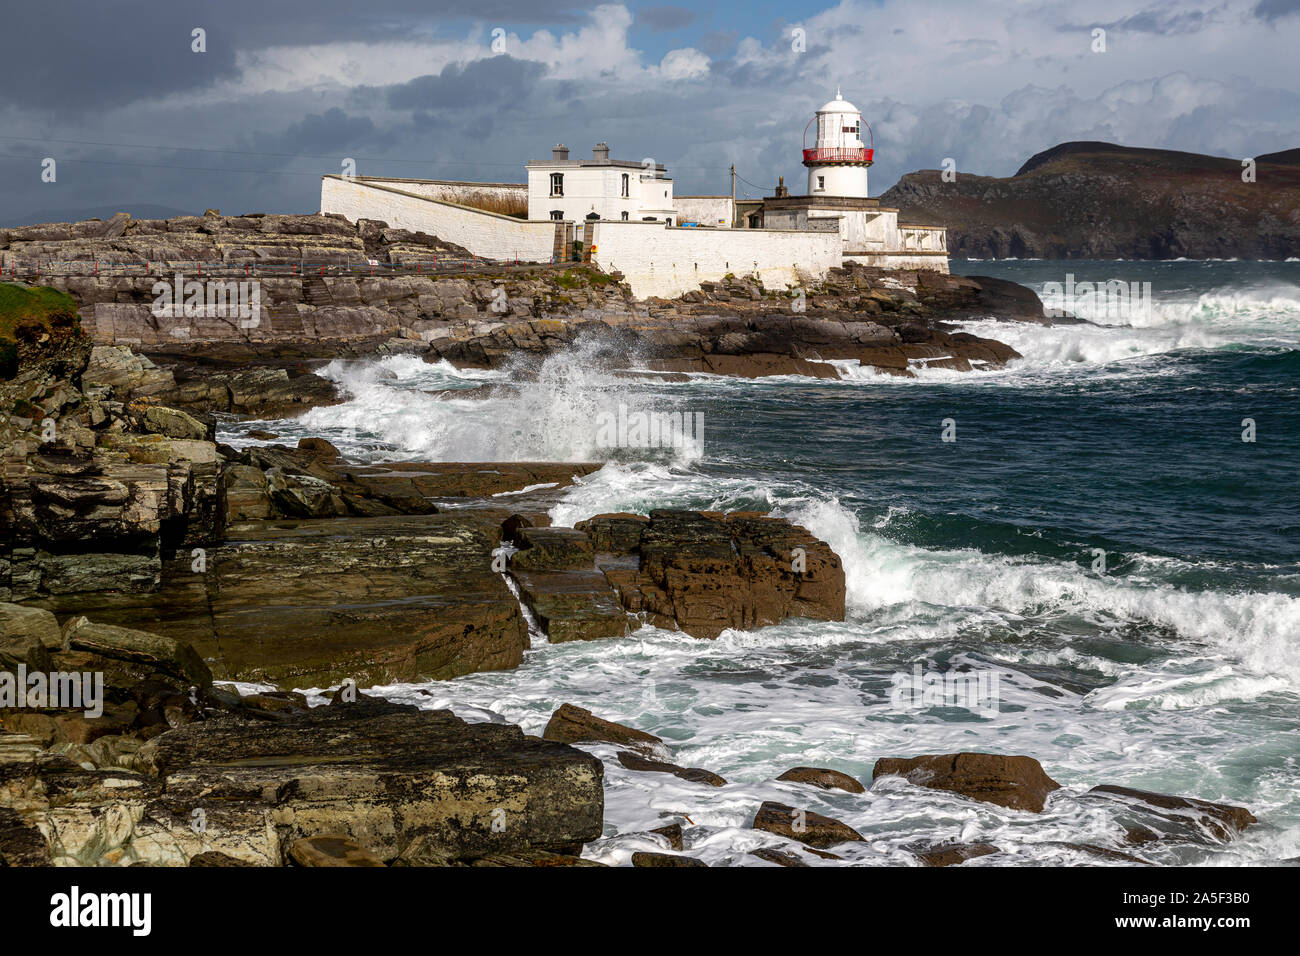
pixel 1272 10
pixel 321 134
pixel 667 17
pixel 492 82
pixel 81 55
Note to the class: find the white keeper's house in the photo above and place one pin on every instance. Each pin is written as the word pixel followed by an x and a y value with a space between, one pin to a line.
pixel 578 190
pixel 626 216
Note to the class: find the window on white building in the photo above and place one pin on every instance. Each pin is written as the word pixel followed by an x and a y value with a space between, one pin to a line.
pixel 625 213
pixel 821 182
pixel 625 179
pixel 557 184
pixel 557 213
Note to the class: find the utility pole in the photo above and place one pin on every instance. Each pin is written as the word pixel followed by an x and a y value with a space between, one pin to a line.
pixel 733 195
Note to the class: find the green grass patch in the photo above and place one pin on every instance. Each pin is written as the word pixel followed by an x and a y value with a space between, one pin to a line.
pixel 581 277
pixel 25 313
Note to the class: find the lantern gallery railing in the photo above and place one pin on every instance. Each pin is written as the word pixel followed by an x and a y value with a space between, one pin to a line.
pixel 838 155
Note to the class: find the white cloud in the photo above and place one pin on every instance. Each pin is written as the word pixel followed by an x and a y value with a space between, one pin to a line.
pixel 684 64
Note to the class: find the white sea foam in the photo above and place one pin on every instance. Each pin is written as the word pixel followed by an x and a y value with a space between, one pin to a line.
pixel 407 409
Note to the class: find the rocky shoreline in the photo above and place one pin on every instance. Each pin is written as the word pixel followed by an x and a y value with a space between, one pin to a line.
pixel 140 550
pixel 329 288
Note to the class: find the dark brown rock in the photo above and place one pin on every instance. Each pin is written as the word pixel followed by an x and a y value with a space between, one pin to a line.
pixel 1221 820
pixel 705 572
pixel 779 857
pixel 825 779
pixel 571 724
pixel 803 825
pixel 1100 852
pixel 615 533
pixel 578 605
pixel 553 549
pixel 672 833
pixel 331 850
pixel 216 858
pixel 534 858
pixel 693 774
pixel 155 652
pixel 318 446
pixel 645 858
pixel 952 854
pixel 316 602
pixel 1017 783
pixel 21 843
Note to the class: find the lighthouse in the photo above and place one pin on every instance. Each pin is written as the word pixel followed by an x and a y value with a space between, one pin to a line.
pixel 837 164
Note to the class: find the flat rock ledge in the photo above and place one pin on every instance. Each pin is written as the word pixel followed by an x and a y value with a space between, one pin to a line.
pixel 350 784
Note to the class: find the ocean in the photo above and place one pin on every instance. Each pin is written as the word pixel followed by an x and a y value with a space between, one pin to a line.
pixel 1097 539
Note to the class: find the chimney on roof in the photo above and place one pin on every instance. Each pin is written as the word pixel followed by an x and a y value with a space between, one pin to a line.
pixel 601 151
pixel 781 191
pixel 560 151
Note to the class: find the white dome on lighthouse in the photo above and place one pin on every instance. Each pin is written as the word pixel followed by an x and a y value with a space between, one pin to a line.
pixel 839 105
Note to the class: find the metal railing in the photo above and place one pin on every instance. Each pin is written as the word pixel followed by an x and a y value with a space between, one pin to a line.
pixel 838 155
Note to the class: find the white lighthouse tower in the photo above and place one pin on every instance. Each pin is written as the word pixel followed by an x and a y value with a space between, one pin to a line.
pixel 837 164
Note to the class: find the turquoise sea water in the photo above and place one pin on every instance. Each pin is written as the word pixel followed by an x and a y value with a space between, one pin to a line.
pixel 1099 536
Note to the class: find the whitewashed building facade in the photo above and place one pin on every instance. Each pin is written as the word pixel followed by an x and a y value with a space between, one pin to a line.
pixel 579 190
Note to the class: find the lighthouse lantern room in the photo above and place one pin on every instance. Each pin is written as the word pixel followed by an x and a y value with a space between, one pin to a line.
pixel 837 164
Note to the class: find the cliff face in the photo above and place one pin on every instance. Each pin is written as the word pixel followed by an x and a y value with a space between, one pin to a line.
pixel 1101 201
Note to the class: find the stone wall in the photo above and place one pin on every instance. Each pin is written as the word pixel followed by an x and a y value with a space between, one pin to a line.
pixel 483 233
pixel 658 260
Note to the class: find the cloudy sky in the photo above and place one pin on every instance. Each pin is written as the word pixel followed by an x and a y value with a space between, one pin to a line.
pixel 472 89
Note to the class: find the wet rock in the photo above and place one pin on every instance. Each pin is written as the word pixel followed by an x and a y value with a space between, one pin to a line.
pixel 215 858
pixel 771 854
pixel 533 858
pixel 316 602
pixel 424 851
pixel 27 635
pixel 704 572
pixel 553 549
pixel 578 605
pixel 21 842
pixel 571 724
pixel 618 533
pixel 376 774
pixel 331 850
pixel 1222 821
pixel 952 854
pixel 825 779
pixel 152 651
pixel 1099 852
pixel 318 446
pixel 247 491
pixel 672 833
pixel 646 858
pixel 803 825
pixel 1017 783
pixel 693 774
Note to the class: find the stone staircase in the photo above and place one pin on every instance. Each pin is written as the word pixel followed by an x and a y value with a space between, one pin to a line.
pixel 315 292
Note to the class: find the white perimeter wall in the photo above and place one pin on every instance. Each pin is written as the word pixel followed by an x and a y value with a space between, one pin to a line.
pixel 485 234
pixel 666 261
